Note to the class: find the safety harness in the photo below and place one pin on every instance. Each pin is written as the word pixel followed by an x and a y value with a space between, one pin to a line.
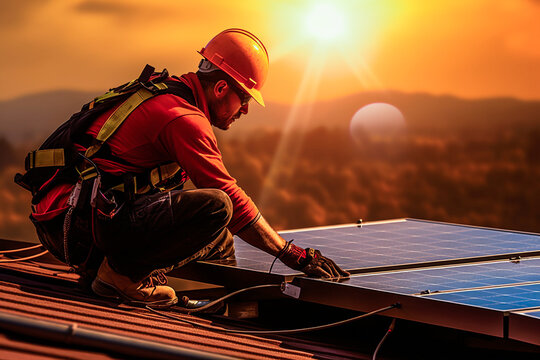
pixel 58 161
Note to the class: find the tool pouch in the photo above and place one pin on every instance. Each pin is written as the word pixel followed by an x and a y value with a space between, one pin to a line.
pixel 105 204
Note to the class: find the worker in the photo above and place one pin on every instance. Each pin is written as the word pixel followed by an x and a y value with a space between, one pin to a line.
pixel 148 234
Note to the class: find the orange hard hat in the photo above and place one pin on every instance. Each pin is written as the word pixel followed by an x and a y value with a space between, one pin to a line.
pixel 242 56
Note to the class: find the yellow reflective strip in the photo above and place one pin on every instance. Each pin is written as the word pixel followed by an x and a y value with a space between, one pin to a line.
pixel 107 95
pixel 58 155
pixel 163 172
pixel 168 170
pixel 92 149
pixel 155 176
pixel 144 190
pixel 161 86
pixel 47 157
pixel 121 113
pixel 119 187
pixel 88 173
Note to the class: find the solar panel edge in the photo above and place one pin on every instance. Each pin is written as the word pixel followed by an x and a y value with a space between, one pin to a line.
pixel 444 262
pixel 472 226
pixel 327 227
pixel 524 327
pixel 464 317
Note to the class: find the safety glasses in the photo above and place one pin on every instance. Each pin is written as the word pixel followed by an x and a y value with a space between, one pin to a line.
pixel 242 95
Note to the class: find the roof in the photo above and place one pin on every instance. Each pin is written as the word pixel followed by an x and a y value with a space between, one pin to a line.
pixel 41 300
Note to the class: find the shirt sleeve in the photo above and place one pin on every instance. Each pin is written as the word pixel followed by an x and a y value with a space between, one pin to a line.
pixel 191 141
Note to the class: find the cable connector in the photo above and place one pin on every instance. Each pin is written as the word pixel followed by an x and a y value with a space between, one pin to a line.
pixel 290 290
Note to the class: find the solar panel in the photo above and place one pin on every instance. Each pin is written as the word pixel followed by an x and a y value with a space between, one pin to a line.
pixel 432 269
pixel 451 277
pixel 500 298
pixel 393 243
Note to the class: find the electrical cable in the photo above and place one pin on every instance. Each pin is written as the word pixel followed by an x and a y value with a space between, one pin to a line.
pixel 390 329
pixel 217 301
pixel 24 258
pixel 281 252
pixel 274 332
pixel 21 249
pixel 91 163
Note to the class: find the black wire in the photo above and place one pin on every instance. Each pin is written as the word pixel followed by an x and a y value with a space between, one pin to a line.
pixel 390 329
pixel 217 301
pixel 281 252
pixel 270 332
pixel 91 163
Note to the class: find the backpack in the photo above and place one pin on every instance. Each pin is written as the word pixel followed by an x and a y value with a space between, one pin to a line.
pixel 56 160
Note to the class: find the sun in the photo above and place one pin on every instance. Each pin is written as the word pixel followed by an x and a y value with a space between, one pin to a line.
pixel 325 22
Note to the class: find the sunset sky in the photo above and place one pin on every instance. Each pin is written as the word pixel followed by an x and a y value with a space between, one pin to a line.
pixel 471 49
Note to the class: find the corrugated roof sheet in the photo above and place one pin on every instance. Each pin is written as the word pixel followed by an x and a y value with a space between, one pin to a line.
pixel 50 294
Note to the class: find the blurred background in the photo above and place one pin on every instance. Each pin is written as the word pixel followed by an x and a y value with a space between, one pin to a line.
pixel 463 78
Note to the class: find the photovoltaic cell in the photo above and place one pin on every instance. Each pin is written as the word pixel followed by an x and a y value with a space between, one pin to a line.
pixel 392 243
pixel 451 277
pixel 501 298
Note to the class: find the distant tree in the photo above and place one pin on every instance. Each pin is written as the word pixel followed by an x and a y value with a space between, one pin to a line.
pixel 533 147
pixel 7 153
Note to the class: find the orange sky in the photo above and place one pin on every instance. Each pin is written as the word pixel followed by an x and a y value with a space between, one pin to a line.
pixel 479 48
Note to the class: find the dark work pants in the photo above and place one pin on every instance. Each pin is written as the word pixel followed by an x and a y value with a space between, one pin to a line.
pixel 157 232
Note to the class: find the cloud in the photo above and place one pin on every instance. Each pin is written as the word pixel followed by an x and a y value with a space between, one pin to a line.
pixel 15 12
pixel 105 7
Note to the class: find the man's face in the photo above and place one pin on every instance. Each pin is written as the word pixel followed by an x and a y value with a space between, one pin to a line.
pixel 227 105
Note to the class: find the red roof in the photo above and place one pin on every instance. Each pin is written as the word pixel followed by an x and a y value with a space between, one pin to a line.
pixel 38 293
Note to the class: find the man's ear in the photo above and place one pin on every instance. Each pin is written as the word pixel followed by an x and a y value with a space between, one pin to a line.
pixel 221 88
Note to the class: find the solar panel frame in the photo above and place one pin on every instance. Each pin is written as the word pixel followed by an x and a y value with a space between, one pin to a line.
pixel 468 316
pixel 386 250
pixel 451 278
pixel 525 326
pixel 504 298
pixel 414 308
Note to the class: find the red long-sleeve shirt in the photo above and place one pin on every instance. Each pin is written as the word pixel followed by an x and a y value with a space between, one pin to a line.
pixel 165 128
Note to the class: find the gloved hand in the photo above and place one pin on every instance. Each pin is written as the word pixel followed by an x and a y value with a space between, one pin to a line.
pixel 311 262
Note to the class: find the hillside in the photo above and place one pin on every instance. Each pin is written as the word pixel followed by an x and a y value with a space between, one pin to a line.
pixel 465 161
pixel 31 118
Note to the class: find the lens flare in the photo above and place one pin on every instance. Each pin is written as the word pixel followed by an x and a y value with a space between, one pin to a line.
pixel 325 22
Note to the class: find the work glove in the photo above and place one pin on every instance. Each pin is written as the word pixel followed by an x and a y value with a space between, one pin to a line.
pixel 311 262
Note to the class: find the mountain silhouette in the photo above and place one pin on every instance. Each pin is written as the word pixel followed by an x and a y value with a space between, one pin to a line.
pixel 31 118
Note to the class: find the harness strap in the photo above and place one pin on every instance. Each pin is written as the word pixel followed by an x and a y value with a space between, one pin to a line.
pixel 163 172
pixel 44 158
pixel 117 118
pixel 163 178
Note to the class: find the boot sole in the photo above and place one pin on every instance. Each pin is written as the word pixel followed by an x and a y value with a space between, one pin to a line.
pixel 103 289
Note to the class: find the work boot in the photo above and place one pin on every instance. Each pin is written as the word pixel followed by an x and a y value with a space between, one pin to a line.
pixel 150 291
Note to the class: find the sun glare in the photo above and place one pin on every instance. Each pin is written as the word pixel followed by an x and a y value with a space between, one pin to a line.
pixel 334 45
pixel 325 22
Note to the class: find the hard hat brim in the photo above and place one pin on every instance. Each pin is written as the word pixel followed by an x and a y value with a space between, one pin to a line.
pixel 255 94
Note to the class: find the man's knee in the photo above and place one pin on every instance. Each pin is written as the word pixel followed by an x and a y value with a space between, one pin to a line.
pixel 203 205
pixel 222 203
